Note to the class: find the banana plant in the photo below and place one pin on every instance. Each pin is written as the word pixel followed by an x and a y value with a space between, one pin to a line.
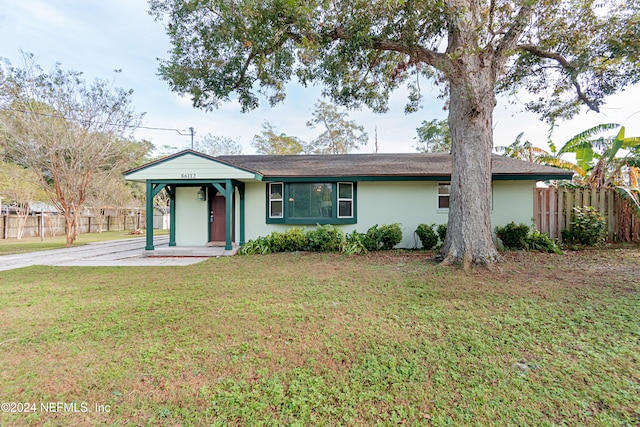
pixel 609 168
pixel 632 197
pixel 528 152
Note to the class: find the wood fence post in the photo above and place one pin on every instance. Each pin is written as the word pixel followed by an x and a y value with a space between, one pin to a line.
pixel 552 211
pixel 568 215
pixel 611 214
pixel 561 223
pixel 536 208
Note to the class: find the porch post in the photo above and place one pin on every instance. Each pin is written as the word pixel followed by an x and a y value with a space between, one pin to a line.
pixel 228 199
pixel 171 191
pixel 149 216
pixel 241 191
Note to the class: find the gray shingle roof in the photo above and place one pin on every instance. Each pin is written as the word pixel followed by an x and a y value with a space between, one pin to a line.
pixel 380 165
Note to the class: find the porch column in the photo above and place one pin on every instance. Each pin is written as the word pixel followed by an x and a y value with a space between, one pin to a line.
pixel 149 216
pixel 228 198
pixel 241 191
pixel 171 191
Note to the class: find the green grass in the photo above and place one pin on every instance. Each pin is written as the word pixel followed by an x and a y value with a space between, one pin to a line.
pixel 31 244
pixel 323 339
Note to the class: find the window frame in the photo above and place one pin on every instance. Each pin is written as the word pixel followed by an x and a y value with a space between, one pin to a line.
pixel 439 196
pixel 271 200
pixel 335 219
pixel 344 199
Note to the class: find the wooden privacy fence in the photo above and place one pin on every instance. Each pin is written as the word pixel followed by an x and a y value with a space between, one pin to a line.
pixel 54 225
pixel 553 211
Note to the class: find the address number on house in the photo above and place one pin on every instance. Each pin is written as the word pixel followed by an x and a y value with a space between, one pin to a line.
pixel 187 175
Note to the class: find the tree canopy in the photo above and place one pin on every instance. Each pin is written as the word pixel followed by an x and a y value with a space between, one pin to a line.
pixel 340 135
pixel 434 136
pixel 271 141
pixel 215 145
pixel 566 52
pixel 572 51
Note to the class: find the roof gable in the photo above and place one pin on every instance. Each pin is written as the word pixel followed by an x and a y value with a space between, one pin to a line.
pixel 188 164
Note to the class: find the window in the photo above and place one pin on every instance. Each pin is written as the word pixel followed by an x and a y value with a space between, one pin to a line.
pixel 345 200
pixel 308 200
pixel 311 203
pixel 444 193
pixel 275 200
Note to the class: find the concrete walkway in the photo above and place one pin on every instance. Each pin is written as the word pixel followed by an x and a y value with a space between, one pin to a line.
pixel 126 252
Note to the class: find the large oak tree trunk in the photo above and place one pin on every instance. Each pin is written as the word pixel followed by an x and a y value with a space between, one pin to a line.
pixel 469 239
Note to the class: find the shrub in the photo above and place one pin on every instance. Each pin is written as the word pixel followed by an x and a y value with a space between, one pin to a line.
pixel 325 238
pixel 355 244
pixel 390 235
pixel 277 241
pixel 427 236
pixel 537 241
pixel 291 240
pixel 442 231
pixel 513 235
pixel 372 239
pixel 295 239
pixel 261 245
pixel 588 227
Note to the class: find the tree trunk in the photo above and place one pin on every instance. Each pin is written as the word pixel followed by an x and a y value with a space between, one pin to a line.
pixel 69 229
pixel 469 239
pixel 70 218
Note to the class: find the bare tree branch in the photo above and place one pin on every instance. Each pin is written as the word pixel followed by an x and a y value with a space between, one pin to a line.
pixel 567 66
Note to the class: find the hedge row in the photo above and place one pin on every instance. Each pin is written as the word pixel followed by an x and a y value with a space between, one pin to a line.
pixel 587 229
pixel 326 238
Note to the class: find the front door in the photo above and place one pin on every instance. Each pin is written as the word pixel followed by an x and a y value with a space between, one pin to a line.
pixel 218 219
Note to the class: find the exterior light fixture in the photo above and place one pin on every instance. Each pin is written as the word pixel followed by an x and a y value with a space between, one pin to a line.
pixel 202 196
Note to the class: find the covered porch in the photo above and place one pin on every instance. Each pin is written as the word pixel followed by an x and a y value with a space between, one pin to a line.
pixel 204 211
pixel 206 202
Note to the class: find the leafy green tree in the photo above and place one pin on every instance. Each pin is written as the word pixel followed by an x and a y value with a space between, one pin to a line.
pixel 569 52
pixel 269 141
pixel 72 135
pixel 434 136
pixel 340 136
pixel 215 145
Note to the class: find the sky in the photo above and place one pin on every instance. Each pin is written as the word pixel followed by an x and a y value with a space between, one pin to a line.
pixel 98 37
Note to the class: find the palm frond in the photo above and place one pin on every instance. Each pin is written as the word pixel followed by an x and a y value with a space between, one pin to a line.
pixel 584 156
pixel 617 143
pixel 560 163
pixel 631 142
pixel 584 136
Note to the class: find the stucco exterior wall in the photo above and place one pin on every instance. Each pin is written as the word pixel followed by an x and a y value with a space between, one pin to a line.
pixel 192 218
pixel 409 203
pixel 512 201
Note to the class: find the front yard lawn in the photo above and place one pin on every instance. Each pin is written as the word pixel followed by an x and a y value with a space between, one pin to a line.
pixel 325 339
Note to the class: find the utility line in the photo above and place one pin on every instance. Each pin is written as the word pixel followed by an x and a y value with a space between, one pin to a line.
pixel 190 130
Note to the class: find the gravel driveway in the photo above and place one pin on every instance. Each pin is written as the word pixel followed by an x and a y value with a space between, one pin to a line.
pixel 125 252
